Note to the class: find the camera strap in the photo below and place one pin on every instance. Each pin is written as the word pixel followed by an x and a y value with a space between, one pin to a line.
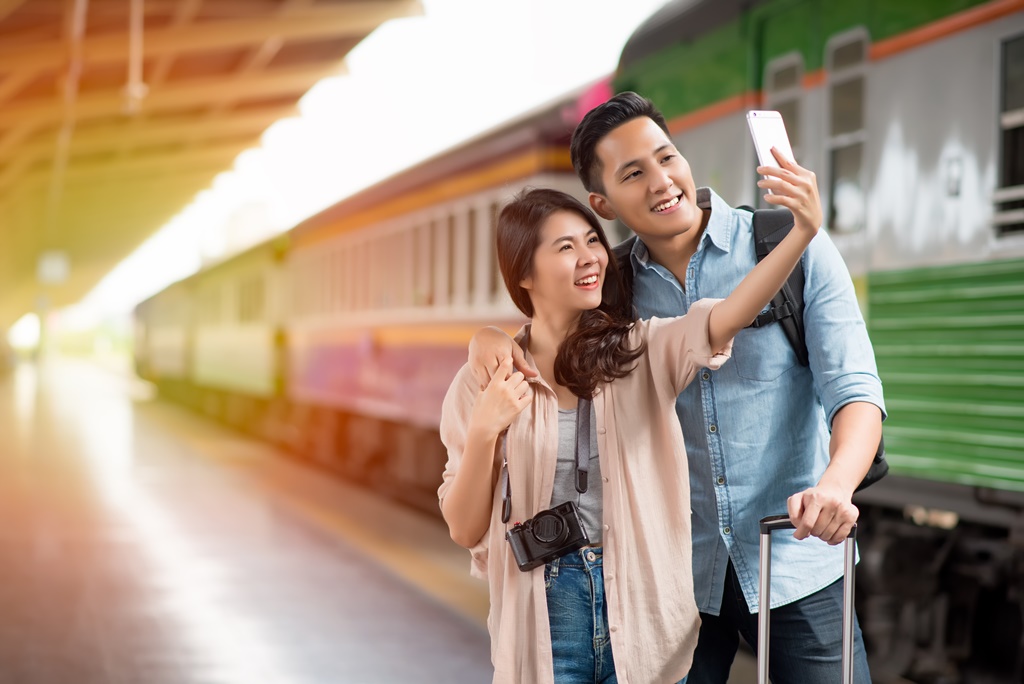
pixel 584 448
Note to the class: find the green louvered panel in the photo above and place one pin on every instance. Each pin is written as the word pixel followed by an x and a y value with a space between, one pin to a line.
pixel 950 348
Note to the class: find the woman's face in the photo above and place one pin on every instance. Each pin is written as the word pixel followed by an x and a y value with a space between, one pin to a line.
pixel 568 266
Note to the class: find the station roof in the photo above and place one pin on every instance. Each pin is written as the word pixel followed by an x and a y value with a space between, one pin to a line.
pixel 115 113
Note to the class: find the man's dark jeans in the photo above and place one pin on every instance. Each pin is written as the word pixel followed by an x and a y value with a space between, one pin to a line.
pixel 806 639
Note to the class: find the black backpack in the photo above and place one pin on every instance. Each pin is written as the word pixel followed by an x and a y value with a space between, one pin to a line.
pixel 786 308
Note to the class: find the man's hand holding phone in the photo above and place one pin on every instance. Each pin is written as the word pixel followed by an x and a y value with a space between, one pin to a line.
pixel 788 184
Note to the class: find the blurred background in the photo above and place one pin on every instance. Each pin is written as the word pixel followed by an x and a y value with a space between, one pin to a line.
pixel 246 242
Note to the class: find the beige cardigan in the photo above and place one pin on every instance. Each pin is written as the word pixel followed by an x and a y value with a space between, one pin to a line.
pixel 652 614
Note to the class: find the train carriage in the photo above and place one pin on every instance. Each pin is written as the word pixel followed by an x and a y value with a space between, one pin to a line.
pixel 912 116
pixel 388 287
pixel 340 340
pixel 215 340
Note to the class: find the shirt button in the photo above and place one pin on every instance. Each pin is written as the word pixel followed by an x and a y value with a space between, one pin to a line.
pixel 606 527
pixel 728 530
pixel 713 429
pixel 601 431
pixel 615 628
pixel 705 375
pixel 720 480
pixel 605 479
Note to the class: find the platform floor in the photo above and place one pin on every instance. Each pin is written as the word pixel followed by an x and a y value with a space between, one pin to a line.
pixel 142 543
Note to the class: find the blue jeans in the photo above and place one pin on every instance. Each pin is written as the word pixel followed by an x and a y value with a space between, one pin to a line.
pixel 806 639
pixel 578 616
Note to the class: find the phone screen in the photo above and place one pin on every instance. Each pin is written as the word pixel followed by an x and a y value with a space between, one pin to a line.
pixel 768 131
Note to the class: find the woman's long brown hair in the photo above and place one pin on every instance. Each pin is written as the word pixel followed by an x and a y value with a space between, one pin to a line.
pixel 597 349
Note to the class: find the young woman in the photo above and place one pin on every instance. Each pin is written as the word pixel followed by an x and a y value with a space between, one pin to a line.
pixel 621 608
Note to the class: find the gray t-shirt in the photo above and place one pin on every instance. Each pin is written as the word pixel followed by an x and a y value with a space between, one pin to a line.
pixel 590 503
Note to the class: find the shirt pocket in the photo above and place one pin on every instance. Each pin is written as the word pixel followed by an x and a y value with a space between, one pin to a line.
pixel 763 354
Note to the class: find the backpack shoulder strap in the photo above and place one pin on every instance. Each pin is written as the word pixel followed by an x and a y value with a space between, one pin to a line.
pixel 619 296
pixel 621 253
pixel 787 307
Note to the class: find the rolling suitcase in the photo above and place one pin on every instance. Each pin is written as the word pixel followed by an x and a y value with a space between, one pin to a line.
pixel 782 522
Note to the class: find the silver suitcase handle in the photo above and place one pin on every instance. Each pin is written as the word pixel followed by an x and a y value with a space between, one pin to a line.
pixel 782 522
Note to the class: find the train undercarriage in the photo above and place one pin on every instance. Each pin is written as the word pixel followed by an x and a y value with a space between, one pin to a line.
pixel 940 584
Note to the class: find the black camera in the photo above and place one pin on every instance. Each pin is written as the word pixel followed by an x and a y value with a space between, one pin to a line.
pixel 547 535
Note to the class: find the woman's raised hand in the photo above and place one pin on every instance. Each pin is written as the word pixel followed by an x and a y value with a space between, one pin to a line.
pixel 505 396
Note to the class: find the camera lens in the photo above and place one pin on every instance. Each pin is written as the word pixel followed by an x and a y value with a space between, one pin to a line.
pixel 548 527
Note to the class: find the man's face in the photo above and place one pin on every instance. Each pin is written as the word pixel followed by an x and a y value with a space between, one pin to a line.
pixel 647 183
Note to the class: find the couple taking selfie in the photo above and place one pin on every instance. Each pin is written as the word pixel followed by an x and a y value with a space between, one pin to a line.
pixel 613 552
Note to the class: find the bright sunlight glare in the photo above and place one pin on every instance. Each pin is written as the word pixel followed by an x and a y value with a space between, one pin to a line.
pixel 414 87
pixel 24 334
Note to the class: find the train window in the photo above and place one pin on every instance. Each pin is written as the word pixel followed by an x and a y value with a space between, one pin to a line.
pixel 423 282
pixel 783 89
pixel 404 287
pixel 1009 198
pixel 442 269
pixel 849 53
pixel 496 279
pixel 846 61
pixel 358 276
pixel 340 275
pixel 295 290
pixel 784 77
pixel 403 281
pixel 847 110
pixel 472 264
pixel 323 285
pixel 209 306
pixel 251 300
pixel 373 274
pixel 453 258
pixel 350 278
pixel 366 276
pixel 345 281
pixel 303 289
pixel 380 268
pixel 480 227
pixel 244 302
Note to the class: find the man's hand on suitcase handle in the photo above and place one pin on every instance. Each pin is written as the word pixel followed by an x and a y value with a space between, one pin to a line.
pixel 824 512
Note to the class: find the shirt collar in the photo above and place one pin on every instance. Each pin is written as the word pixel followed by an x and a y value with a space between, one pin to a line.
pixel 722 223
pixel 719 229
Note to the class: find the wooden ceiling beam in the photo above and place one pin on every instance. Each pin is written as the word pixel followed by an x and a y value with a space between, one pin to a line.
pixel 18 133
pixel 184 13
pixel 101 138
pixel 190 182
pixel 13 83
pixel 356 18
pixel 7 7
pixel 195 93
pixel 220 157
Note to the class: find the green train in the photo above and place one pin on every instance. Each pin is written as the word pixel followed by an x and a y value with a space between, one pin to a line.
pixel 911 113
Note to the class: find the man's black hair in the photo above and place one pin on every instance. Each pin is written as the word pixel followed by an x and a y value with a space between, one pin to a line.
pixel 599 122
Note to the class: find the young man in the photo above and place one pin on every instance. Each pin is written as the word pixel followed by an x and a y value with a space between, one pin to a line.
pixel 764 433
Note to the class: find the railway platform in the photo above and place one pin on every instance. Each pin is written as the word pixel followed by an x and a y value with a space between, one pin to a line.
pixel 143 543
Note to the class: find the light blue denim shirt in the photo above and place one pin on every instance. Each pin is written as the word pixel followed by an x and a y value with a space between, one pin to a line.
pixel 757 430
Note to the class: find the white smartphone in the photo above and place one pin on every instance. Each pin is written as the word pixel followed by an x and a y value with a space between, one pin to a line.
pixel 768 131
